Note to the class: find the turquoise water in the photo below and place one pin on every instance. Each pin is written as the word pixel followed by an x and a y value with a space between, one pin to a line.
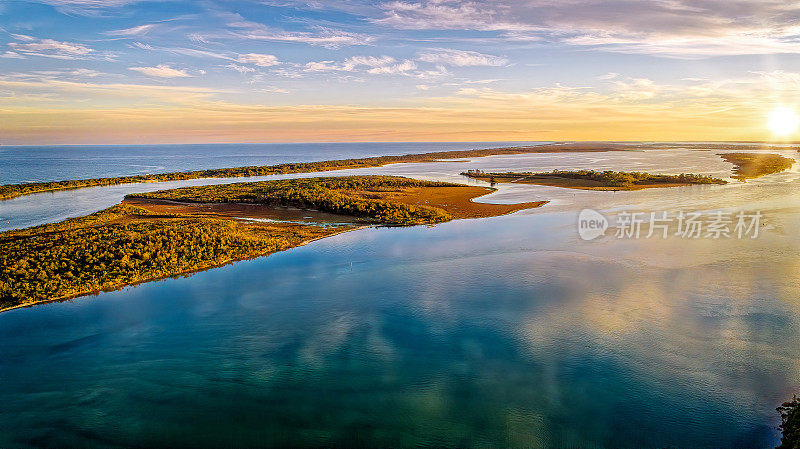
pixel 509 331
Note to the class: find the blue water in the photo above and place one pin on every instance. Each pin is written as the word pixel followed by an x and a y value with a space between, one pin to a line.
pixel 500 332
pixel 64 162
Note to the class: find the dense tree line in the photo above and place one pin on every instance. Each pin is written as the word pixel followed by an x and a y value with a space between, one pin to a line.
pixel 13 190
pixel 126 244
pixel 92 258
pixel 606 178
pixel 337 195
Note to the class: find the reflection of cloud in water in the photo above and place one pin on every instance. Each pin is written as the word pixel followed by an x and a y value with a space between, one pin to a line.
pixel 499 332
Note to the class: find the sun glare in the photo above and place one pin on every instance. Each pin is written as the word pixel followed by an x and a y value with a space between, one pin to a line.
pixel 783 121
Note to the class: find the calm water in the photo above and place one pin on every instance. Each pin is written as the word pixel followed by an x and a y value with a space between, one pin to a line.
pixel 508 331
pixel 61 162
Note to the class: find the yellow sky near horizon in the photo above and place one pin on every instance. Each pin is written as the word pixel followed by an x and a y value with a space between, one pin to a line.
pixel 53 112
pixel 221 122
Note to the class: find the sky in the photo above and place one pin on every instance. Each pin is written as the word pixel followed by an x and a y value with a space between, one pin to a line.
pixel 131 71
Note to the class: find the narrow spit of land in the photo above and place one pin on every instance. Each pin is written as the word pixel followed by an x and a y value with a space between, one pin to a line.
pixel 754 165
pixel 595 180
pixel 173 232
pixel 8 191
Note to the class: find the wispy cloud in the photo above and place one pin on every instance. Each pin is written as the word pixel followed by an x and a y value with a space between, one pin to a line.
pixel 162 71
pixel 11 55
pixel 317 35
pixel 353 63
pixel 88 7
pixel 675 28
pixel 259 59
pixel 393 69
pixel 240 68
pixel 461 58
pixel 133 31
pixel 50 48
pixel 446 15
pixel 376 65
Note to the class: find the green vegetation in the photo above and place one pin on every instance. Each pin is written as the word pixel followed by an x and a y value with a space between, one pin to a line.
pixel 623 180
pixel 80 260
pixel 8 191
pixel 127 244
pixel 790 424
pixel 338 195
pixel 753 165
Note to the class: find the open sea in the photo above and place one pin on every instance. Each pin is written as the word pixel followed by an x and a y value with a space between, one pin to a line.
pixel 64 162
pixel 502 332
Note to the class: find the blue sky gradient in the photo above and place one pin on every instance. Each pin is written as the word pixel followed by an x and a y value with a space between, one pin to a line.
pixel 127 71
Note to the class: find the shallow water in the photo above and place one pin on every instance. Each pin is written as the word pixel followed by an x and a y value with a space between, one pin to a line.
pixel 508 331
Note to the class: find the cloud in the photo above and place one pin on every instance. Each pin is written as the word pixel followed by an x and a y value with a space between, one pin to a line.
pixel 461 58
pixel 321 66
pixel 11 55
pixel 162 71
pixel 674 28
pixel 258 59
pixel 351 64
pixel 198 38
pixel 133 31
pixel 261 60
pixel 86 73
pixel 446 15
pixel 319 35
pixel 274 90
pixel 240 68
pixel 88 7
pixel 439 72
pixel 50 48
pixel 368 61
pixel 373 65
pixel 73 93
pixel 394 69
pixel 91 3
pixel 636 89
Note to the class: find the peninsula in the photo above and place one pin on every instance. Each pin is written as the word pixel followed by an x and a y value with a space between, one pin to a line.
pixel 173 232
pixel 594 180
pixel 754 165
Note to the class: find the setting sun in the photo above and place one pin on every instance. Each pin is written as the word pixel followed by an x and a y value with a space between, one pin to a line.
pixel 783 121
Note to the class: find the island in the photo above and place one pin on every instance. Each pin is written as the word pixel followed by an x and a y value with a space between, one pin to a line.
pixel 754 165
pixel 173 232
pixel 594 180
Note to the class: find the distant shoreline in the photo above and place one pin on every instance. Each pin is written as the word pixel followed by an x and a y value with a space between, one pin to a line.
pixel 9 191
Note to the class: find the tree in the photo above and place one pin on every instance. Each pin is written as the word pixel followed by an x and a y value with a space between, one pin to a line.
pixel 790 424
